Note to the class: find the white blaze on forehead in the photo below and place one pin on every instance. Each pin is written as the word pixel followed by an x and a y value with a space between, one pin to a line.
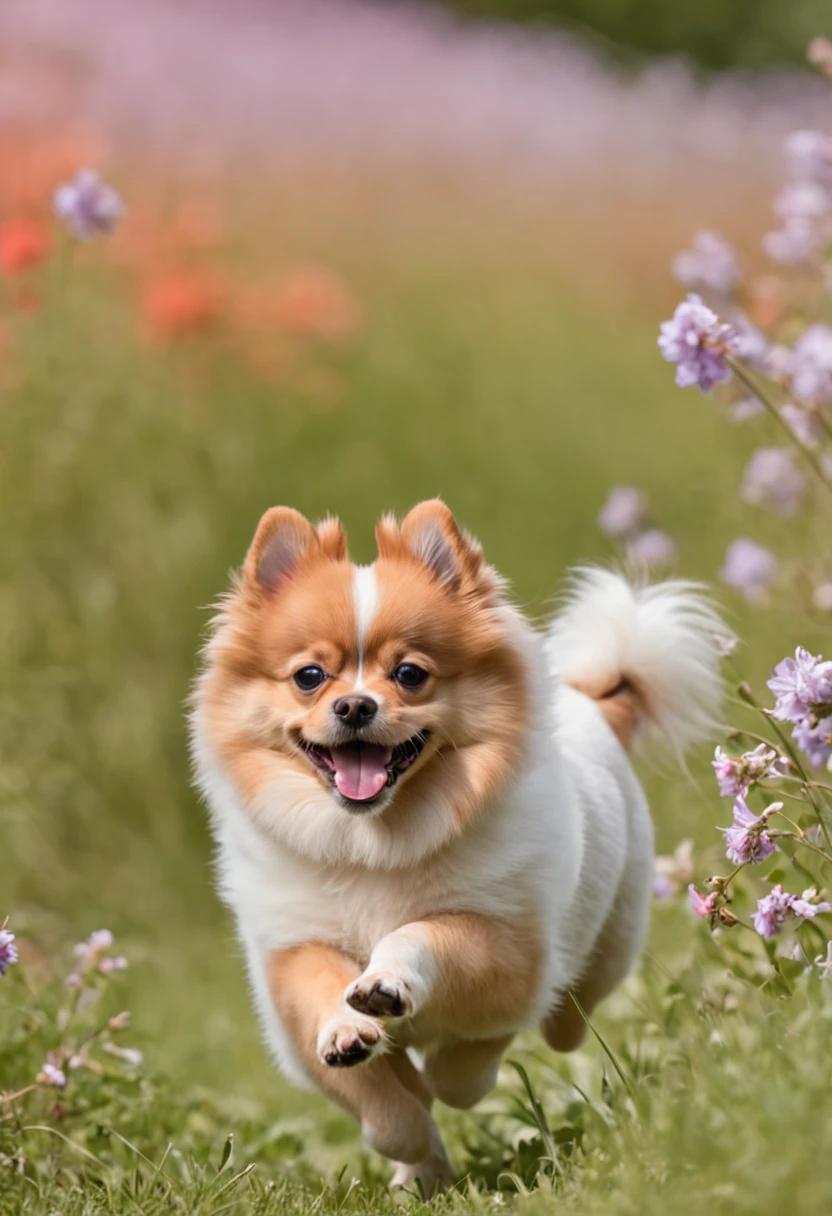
pixel 365 598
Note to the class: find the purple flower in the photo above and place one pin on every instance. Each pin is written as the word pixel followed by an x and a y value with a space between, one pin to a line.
pixel 702 905
pixel 802 201
pixel 662 887
pixel 774 908
pixel 8 950
pixel 51 1074
pixel 815 739
pixel 795 244
pixel 771 479
pixel 710 263
pixel 812 364
pixel 779 363
pixel 87 204
pixel 749 568
pixel 735 774
pixel 697 342
pixel 746 839
pixel 802 685
pixel 746 408
pixel 623 511
pixel 809 155
pixel 805 425
pixel 651 549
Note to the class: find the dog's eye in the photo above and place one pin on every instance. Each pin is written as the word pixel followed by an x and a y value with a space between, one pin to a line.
pixel 309 678
pixel 408 675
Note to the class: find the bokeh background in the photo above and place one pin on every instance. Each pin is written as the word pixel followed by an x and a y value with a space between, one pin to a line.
pixel 373 252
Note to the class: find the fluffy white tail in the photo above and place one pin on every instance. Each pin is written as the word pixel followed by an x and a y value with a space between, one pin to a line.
pixel 647 655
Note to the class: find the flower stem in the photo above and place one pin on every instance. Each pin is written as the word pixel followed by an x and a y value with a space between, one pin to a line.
pixel 753 387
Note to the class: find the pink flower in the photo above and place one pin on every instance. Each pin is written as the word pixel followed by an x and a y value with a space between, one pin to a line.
pixel 771 479
pixel 697 342
pixel 749 568
pixel 93 957
pixel 88 205
pixel 623 511
pixel 711 263
pixel 746 839
pixel 8 950
pixel 702 905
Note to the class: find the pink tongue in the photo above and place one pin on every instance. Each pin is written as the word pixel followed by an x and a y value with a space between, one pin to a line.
pixel 360 769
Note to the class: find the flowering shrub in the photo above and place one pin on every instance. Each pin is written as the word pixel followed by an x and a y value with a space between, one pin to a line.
pixel 781 368
pixel 63 1054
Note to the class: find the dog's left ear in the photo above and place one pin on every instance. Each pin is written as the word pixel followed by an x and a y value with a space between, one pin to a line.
pixel 431 534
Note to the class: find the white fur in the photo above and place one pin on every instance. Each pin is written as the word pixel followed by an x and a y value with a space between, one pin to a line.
pixel 571 831
pixel 365 599
pixel 661 637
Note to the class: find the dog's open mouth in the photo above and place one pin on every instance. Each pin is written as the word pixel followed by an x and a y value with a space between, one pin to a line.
pixel 360 771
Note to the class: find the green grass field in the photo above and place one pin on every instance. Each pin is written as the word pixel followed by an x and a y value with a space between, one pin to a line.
pixel 505 367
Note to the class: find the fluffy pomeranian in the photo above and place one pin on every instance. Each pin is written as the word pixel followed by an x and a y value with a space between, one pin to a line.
pixel 427 824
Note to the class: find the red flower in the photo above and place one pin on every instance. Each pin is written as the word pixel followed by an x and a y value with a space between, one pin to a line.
pixel 23 243
pixel 315 302
pixel 181 302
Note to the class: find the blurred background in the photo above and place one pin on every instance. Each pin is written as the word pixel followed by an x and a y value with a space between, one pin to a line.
pixel 372 252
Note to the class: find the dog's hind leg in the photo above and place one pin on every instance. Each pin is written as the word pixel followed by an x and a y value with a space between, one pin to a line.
pixel 617 946
pixel 462 1072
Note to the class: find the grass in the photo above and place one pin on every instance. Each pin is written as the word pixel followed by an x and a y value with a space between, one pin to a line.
pixel 491 370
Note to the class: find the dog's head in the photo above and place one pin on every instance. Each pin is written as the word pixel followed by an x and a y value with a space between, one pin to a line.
pixel 393 693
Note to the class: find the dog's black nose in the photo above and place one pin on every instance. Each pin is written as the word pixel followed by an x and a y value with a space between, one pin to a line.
pixel 355 710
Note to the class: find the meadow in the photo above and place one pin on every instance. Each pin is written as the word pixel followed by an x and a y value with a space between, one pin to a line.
pixel 352 342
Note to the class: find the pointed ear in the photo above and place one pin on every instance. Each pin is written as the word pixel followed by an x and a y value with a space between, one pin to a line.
pixel 432 535
pixel 283 538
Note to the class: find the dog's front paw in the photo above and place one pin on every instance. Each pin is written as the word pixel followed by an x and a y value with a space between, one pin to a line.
pixel 349 1039
pixel 382 995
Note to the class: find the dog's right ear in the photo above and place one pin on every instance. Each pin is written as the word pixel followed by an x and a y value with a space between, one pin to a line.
pixel 284 538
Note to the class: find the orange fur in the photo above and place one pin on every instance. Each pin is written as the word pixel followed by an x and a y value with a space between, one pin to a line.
pixel 386 1095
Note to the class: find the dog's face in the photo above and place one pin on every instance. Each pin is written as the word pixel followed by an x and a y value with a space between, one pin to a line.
pixel 382 692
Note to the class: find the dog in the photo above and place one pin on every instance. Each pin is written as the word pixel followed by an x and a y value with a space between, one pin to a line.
pixel 427 825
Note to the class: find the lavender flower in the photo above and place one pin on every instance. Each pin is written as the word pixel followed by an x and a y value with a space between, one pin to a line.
pixel 815 739
pixel 697 342
pixel 702 905
pixel 802 686
pixel 651 549
pixel 771 479
pixel 803 201
pixel 812 364
pixel 795 244
pixel 745 409
pixel 736 774
pixel 749 568
pixel 674 871
pixel 623 511
pixel 809 154
pixel 805 425
pixel 87 204
pixel 773 910
pixel 51 1073
pixel 747 839
pixel 711 263
pixel 8 950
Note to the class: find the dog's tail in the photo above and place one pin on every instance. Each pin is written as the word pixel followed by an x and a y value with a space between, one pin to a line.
pixel 649 656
